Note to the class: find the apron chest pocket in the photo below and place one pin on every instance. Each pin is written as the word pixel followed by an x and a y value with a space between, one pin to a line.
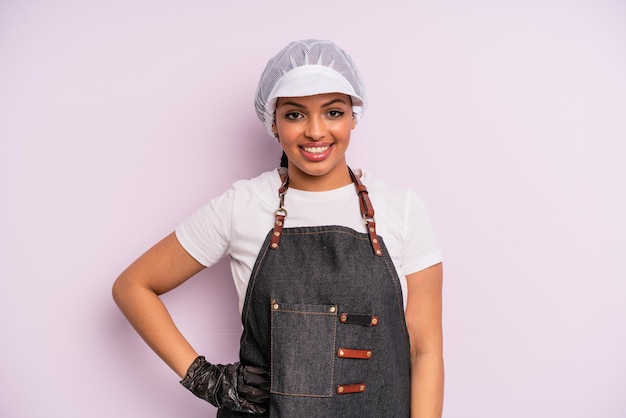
pixel 302 349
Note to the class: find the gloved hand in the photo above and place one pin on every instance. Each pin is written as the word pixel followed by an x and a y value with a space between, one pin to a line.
pixel 232 386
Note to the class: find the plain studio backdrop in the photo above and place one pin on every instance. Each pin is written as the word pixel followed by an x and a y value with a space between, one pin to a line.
pixel 119 118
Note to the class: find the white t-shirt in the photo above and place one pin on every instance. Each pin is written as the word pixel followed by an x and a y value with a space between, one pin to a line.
pixel 237 222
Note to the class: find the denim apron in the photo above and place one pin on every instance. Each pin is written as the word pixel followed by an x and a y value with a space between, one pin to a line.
pixel 324 314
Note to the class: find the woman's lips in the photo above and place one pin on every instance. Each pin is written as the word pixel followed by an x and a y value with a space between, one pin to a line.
pixel 316 152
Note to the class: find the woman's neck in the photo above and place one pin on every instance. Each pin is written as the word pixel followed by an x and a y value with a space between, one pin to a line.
pixel 301 180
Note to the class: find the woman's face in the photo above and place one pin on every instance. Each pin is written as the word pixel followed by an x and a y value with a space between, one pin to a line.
pixel 314 132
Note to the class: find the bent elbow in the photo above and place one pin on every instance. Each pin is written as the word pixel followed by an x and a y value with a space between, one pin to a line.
pixel 121 289
pixel 117 290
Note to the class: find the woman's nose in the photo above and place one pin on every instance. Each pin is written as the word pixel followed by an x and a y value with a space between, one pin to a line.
pixel 315 129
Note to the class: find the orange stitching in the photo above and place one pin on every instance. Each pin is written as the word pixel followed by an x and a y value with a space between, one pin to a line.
pixel 395 279
pixel 332 367
pixel 251 284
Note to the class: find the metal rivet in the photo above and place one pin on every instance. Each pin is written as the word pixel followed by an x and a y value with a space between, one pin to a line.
pixel 340 389
pixel 277 234
pixel 274 245
pixel 341 353
pixel 374 321
pixel 372 229
pixel 375 241
pixel 279 223
pixel 332 309
pixel 369 354
pixel 362 388
pixel 379 252
pixel 343 318
pixel 275 306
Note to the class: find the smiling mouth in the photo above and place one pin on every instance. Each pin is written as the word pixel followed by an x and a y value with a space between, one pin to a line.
pixel 316 150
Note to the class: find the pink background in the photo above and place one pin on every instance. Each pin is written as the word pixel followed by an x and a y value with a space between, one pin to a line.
pixel 118 118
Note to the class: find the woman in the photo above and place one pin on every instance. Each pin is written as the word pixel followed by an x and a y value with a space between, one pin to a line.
pixel 341 313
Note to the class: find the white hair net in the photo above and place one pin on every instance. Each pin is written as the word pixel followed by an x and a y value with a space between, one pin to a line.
pixel 306 68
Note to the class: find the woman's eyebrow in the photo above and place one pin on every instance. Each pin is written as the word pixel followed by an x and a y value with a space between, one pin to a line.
pixel 337 100
pixel 292 104
pixel 295 104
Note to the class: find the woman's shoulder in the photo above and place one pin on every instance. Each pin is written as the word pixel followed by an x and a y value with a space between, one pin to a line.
pixel 264 187
pixel 388 194
pixel 267 180
pixel 376 184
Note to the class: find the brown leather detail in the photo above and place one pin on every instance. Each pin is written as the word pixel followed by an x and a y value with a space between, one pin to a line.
pixel 351 388
pixel 278 230
pixel 355 353
pixel 358 319
pixel 367 210
pixel 371 230
pixel 280 214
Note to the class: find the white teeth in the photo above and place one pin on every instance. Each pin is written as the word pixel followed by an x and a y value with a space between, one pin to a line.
pixel 316 150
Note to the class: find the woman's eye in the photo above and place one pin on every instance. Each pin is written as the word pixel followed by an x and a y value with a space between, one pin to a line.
pixel 335 114
pixel 292 116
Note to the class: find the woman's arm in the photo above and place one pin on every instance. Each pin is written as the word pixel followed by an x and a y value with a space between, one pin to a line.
pixel 423 319
pixel 136 291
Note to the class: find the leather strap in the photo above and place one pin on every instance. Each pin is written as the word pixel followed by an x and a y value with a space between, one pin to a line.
pixel 278 229
pixel 367 212
pixel 351 388
pixel 355 353
pixel 358 319
pixel 280 214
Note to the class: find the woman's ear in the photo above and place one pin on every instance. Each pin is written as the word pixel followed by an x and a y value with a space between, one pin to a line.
pixel 353 120
pixel 275 131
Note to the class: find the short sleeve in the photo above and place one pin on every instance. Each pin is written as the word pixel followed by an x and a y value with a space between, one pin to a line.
pixel 206 234
pixel 421 248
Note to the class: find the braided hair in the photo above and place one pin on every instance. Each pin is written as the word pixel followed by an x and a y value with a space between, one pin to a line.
pixel 284 162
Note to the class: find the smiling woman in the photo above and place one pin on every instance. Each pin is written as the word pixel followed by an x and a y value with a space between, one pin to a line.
pixel 341 314
pixel 314 132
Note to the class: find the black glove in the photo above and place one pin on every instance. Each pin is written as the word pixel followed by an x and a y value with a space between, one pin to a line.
pixel 232 386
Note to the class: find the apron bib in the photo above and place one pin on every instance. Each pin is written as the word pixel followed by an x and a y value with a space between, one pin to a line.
pixel 324 314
